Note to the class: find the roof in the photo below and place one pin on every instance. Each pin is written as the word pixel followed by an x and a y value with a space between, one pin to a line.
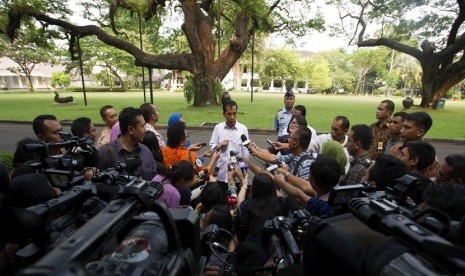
pixel 40 70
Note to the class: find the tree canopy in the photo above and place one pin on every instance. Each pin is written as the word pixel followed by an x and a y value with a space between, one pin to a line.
pixel 199 29
pixel 437 25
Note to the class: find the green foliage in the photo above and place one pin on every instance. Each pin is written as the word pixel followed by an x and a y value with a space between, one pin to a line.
pixel 320 76
pixel 61 79
pixel 99 89
pixel 7 159
pixel 218 89
pixel 189 89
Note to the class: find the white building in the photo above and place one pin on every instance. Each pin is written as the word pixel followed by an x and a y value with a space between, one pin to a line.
pixel 41 75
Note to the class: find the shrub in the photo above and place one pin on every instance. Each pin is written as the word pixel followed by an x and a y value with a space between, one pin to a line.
pixel 7 159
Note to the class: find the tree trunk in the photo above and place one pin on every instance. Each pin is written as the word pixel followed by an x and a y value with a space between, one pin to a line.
pixel 237 73
pixel 31 85
pixel 204 86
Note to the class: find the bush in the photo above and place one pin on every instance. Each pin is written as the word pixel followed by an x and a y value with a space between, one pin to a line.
pixel 7 159
pixel 99 89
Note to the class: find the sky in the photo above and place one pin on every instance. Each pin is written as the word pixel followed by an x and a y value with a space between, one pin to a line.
pixel 314 42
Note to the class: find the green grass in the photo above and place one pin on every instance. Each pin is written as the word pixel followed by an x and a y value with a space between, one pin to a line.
pixel 321 109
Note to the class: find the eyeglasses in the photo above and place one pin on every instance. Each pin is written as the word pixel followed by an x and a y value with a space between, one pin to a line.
pixel 293 123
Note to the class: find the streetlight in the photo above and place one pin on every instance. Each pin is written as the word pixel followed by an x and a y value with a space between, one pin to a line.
pixel 140 40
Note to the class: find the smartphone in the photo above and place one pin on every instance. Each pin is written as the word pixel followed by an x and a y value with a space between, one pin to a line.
pixel 203 144
pixel 269 141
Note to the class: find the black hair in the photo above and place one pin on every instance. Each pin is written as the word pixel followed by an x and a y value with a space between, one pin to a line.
pixel 264 204
pixel 176 134
pixel 104 109
pixel 389 104
pixel 20 156
pixel 248 255
pixel 4 178
pixel 24 168
pixel 457 163
pixel 421 119
pixel 386 170
pixel 147 110
pixel 302 109
pixel 80 126
pixel 181 170
pixel 448 197
pixel 363 134
pixel 345 121
pixel 424 151
pixel 401 114
pixel 326 172
pixel 221 216
pixel 211 195
pixel 29 189
pixel 305 136
pixel 151 141
pixel 38 123
pixel 301 121
pixel 128 117
pixel 229 103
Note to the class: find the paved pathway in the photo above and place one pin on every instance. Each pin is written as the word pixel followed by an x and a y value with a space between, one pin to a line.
pixel 12 132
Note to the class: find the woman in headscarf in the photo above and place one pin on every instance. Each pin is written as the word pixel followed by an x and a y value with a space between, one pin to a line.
pixel 334 149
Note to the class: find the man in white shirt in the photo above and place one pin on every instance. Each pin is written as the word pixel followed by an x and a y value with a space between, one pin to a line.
pixel 150 113
pixel 226 137
pixel 339 129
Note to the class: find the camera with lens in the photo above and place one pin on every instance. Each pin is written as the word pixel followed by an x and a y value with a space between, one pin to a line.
pixel 283 237
pixel 64 170
pixel 133 235
pixel 214 244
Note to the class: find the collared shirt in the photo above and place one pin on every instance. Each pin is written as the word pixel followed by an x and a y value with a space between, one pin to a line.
pixel 381 134
pixel 113 152
pixel 221 132
pixel 303 171
pixel 172 156
pixel 149 127
pixel 104 137
pixel 281 121
pixel 357 170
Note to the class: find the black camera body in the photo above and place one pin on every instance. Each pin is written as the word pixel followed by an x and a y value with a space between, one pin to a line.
pixel 64 170
pixel 130 240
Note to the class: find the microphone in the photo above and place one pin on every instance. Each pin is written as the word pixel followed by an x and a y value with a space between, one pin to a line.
pixel 233 157
pixel 198 163
pixel 245 141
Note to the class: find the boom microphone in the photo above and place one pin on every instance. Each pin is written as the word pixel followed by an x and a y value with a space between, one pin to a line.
pixel 245 141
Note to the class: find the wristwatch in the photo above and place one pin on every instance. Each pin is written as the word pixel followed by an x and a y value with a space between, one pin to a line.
pixel 286 176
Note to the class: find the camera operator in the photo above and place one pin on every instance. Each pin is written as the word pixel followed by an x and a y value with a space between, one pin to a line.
pixel 384 171
pixel 47 129
pixel 448 197
pixel 453 168
pixel 324 175
pixel 175 179
pixel 418 156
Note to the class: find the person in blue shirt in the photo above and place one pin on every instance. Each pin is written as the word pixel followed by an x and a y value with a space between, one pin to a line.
pixel 284 115
pixel 324 175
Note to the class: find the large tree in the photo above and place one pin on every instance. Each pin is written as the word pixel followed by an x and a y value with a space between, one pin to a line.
pixel 27 51
pixel 199 27
pixel 437 24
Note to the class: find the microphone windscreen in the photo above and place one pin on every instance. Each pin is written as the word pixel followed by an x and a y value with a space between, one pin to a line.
pixel 243 138
pixel 232 153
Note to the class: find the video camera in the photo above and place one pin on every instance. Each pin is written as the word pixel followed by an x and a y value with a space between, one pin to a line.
pixel 283 235
pixel 65 170
pixel 135 234
pixel 44 225
pixel 214 242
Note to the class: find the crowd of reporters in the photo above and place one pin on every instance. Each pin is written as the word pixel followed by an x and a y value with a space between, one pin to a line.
pixel 262 218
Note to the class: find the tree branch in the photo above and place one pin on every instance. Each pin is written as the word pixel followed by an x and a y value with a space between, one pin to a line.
pixel 393 45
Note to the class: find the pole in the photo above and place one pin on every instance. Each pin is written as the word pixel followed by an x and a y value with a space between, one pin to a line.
pixel 150 85
pixel 82 71
pixel 253 54
pixel 219 28
pixel 140 40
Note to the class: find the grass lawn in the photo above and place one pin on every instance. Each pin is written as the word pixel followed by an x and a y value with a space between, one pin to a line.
pixel 321 109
